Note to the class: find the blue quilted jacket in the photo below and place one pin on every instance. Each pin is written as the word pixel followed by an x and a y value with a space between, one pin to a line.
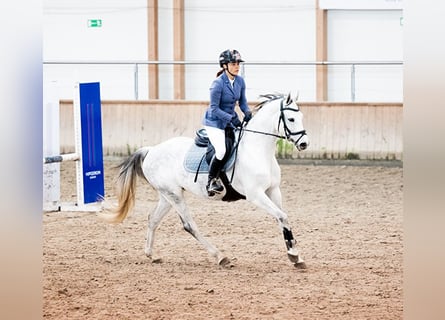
pixel 223 99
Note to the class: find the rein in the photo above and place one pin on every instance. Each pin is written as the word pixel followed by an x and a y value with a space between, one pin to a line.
pixel 264 133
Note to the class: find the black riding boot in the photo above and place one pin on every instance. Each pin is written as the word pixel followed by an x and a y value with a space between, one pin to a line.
pixel 214 185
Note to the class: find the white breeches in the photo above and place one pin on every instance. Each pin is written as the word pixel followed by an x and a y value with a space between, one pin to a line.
pixel 218 139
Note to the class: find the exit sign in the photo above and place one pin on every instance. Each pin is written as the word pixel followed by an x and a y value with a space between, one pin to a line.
pixel 94 23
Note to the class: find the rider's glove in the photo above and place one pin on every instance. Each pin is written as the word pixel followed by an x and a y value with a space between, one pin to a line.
pixel 236 122
pixel 247 116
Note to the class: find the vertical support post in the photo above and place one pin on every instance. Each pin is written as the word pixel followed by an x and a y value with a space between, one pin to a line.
pixel 321 54
pixel 78 143
pixel 136 81
pixel 153 69
pixel 353 82
pixel 51 146
pixel 88 138
pixel 178 49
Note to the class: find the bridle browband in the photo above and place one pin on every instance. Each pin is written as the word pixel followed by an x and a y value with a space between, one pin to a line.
pixel 288 133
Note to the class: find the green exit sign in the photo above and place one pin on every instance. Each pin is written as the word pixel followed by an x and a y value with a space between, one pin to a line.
pixel 94 23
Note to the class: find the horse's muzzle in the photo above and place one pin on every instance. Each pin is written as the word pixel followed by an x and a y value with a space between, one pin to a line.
pixel 302 146
pixel 302 143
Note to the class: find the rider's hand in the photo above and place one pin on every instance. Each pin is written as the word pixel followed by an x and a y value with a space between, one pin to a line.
pixel 236 122
pixel 247 116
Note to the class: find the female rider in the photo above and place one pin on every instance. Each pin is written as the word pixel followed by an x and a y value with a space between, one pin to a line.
pixel 226 90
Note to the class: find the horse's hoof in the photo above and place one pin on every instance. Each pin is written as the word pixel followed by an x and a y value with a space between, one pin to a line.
pixel 296 260
pixel 225 263
pixel 293 258
pixel 300 265
pixel 156 260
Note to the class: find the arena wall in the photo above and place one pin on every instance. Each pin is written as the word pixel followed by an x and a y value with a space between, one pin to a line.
pixel 336 130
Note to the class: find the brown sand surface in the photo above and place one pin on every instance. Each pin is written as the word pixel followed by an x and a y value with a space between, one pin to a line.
pixel 347 221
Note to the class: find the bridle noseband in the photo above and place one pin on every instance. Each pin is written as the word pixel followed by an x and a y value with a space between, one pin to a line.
pixel 288 133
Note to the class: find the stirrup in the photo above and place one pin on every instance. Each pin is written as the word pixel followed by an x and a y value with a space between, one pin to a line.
pixel 214 187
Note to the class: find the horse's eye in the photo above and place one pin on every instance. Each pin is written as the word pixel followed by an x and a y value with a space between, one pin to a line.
pixel 291 120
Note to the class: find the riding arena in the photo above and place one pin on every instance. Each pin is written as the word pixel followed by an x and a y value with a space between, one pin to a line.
pixel 345 216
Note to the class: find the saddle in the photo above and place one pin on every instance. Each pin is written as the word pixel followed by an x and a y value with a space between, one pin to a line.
pixel 204 150
pixel 202 139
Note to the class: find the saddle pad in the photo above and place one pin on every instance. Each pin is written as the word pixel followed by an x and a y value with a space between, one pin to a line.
pixel 194 156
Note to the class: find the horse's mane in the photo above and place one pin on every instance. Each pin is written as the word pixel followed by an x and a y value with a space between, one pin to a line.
pixel 268 98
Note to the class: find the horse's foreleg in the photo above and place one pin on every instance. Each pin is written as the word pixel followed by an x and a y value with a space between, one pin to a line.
pixel 191 227
pixel 292 251
pixel 271 202
pixel 154 219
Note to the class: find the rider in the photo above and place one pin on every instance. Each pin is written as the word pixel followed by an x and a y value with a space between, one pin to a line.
pixel 227 89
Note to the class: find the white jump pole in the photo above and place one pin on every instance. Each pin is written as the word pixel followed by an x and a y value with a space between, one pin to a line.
pixel 88 151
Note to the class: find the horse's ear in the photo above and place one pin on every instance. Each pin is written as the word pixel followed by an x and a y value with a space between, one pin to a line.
pixel 296 97
pixel 288 99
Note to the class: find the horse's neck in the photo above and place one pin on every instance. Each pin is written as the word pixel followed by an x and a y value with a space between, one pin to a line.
pixel 265 121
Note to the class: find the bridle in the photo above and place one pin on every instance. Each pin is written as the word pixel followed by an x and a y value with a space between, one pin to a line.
pixel 288 134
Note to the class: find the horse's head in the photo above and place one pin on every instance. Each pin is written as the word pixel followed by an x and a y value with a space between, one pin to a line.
pixel 291 123
pixel 289 116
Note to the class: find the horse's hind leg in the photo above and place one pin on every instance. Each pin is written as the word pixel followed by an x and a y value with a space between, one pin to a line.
pixel 190 226
pixel 154 219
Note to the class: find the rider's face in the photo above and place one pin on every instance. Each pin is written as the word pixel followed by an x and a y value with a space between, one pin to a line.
pixel 233 67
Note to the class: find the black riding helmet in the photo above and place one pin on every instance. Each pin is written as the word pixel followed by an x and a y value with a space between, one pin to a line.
pixel 229 56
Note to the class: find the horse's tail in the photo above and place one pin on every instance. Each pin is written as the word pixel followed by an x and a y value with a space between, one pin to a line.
pixel 126 184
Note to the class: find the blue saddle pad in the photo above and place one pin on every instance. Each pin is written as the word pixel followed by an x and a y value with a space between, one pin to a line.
pixel 195 154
